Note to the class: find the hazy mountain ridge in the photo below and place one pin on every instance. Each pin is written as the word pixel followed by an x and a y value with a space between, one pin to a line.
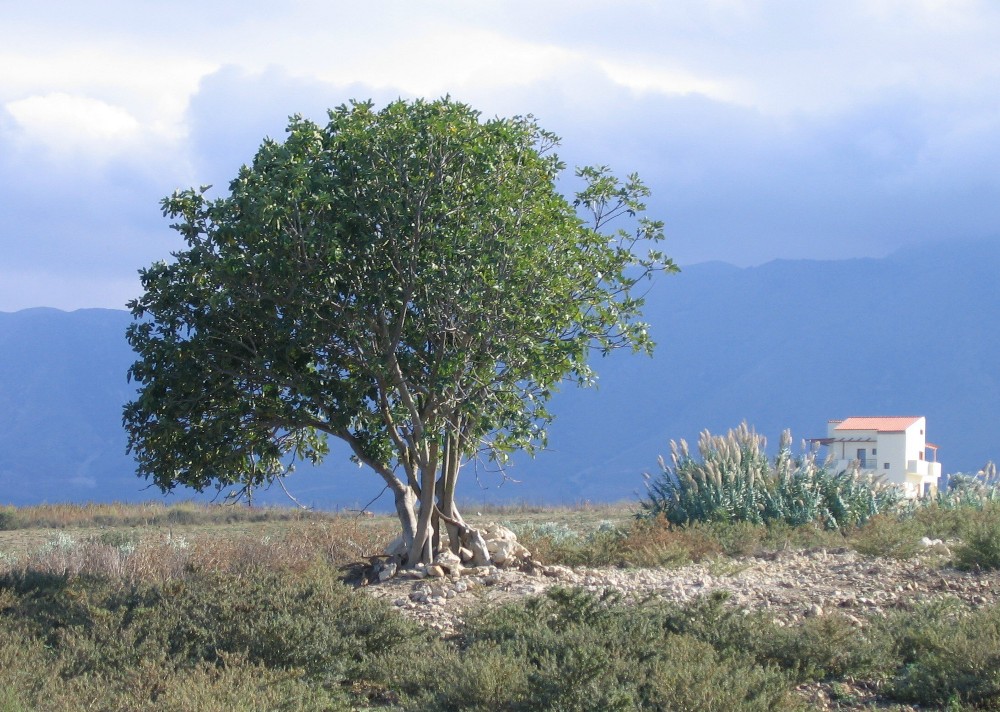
pixel 785 344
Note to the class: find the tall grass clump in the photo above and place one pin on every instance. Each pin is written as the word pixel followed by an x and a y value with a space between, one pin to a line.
pixel 975 491
pixel 735 481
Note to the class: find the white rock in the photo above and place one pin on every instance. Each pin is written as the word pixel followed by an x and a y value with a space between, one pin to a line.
pixel 493 531
pixel 448 561
pixel 501 550
pixel 396 547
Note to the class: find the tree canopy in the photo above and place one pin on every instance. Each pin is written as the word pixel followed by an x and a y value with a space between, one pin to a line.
pixel 409 280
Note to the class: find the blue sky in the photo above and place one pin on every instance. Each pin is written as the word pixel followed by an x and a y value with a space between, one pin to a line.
pixel 781 129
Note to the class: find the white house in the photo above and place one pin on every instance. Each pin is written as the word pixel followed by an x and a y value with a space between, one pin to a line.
pixel 893 447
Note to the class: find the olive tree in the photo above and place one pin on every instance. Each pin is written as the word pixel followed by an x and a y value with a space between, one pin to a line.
pixel 408 280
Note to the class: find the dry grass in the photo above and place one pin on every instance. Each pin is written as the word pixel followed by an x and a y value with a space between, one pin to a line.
pixel 155 552
pixel 154 542
pixel 119 514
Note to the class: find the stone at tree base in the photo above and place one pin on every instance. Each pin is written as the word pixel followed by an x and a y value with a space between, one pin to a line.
pixel 495 532
pixel 502 547
pixel 448 561
pixel 387 572
pixel 501 550
pixel 483 548
pixel 396 547
pixel 474 541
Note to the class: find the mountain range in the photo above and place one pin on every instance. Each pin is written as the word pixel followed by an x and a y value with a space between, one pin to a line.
pixel 788 344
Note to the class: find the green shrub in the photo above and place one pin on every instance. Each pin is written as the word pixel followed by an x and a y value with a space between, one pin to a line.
pixel 937 521
pixel 554 543
pixel 9 519
pixel 980 547
pixel 309 623
pixel 735 482
pixel 781 535
pixel 947 655
pixel 584 651
pixel 829 647
pixel 483 678
pixel 729 484
pixel 888 536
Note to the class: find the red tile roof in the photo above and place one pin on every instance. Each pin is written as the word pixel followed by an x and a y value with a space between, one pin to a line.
pixel 882 424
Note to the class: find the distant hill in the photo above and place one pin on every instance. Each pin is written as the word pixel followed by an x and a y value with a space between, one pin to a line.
pixel 786 344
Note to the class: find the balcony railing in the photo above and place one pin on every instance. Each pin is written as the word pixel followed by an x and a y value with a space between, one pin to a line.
pixel 869 463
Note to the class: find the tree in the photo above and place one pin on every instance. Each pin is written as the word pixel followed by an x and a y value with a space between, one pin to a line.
pixel 407 280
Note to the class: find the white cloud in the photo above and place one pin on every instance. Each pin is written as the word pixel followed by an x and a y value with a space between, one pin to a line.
pixel 776 128
pixel 647 77
pixel 433 59
pixel 65 123
pixel 154 86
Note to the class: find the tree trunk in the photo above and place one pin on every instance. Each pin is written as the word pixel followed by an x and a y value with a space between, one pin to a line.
pixel 446 492
pixel 422 550
pixel 405 510
pixel 426 507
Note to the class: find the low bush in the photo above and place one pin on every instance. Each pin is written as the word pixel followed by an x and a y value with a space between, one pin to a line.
pixel 889 536
pixel 305 636
pixel 9 519
pixel 980 545
pixel 829 647
pixel 558 544
pixel 947 655
pixel 938 521
pixel 584 651
pixel 655 542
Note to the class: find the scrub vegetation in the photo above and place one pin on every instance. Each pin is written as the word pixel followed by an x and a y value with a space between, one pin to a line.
pixel 121 607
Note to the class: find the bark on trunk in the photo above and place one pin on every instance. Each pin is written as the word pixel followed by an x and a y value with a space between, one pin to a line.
pixel 405 500
pixel 422 550
pixel 426 504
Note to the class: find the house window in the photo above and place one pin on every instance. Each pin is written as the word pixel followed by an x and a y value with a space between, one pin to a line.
pixel 885 466
pixel 874 451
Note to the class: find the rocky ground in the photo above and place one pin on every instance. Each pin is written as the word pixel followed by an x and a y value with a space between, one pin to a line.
pixel 789 584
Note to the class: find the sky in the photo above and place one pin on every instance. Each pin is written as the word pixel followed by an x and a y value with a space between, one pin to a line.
pixel 766 130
